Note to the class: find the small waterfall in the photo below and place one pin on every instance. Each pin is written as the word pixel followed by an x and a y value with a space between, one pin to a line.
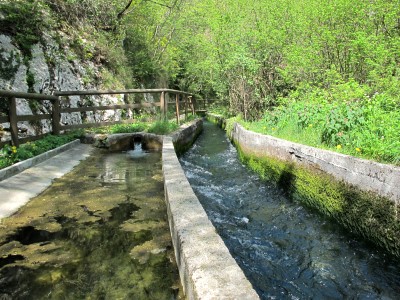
pixel 137 151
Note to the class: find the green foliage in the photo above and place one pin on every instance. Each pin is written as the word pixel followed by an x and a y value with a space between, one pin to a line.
pixel 255 56
pixel 320 72
pixel 127 128
pixel 343 118
pixel 9 64
pixel 100 14
pixel 10 154
pixel 25 21
pixel 163 127
pixel 30 81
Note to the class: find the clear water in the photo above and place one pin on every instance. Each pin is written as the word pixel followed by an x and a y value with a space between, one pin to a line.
pixel 285 250
pixel 100 232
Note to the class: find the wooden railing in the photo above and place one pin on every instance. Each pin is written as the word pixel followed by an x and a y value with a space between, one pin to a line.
pixel 204 104
pixel 55 116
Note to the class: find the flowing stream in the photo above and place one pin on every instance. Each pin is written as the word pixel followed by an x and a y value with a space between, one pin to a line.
pixel 285 250
pixel 100 232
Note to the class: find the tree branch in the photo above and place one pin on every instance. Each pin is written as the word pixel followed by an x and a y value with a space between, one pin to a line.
pixel 122 13
pixel 125 10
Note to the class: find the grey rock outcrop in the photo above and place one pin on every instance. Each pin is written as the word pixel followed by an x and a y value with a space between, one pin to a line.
pixel 45 71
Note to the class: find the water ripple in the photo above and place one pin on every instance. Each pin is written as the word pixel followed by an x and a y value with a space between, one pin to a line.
pixel 286 251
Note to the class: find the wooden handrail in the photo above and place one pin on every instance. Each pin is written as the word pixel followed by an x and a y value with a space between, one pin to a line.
pixel 55 115
pixel 19 95
pixel 113 92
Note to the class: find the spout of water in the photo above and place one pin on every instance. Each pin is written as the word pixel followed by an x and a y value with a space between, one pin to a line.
pixel 137 151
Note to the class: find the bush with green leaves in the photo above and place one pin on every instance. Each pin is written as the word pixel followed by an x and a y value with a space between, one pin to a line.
pixel 345 118
pixel 25 21
pixel 163 127
pixel 10 154
pixel 127 128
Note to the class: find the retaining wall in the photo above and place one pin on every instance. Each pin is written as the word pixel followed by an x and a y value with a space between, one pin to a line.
pixel 366 175
pixel 206 268
pixel 361 195
pixel 28 163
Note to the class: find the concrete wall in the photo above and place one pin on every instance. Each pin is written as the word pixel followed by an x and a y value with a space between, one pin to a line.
pixel 361 195
pixel 366 175
pixel 28 163
pixel 186 135
pixel 206 268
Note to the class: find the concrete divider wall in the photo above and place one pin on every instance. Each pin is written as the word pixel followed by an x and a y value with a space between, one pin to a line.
pixel 28 163
pixel 206 268
pixel 186 135
pixel 366 175
pixel 361 195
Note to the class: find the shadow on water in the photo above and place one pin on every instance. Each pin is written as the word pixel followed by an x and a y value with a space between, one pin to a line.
pixel 286 179
pixel 285 250
pixel 100 232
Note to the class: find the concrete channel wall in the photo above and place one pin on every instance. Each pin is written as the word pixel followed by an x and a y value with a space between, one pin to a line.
pixel 360 195
pixel 206 268
pixel 366 175
pixel 28 163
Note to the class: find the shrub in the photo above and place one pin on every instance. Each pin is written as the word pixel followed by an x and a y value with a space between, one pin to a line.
pixel 163 127
pixel 126 128
pixel 10 154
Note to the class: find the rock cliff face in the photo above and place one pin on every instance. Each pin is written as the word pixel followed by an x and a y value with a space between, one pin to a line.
pixel 49 68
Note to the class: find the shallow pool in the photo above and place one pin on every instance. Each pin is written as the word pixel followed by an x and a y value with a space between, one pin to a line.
pixel 100 232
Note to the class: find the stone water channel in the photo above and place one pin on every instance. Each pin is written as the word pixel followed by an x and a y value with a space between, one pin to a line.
pixel 100 232
pixel 285 250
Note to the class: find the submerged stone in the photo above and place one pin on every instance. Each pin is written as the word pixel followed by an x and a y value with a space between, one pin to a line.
pixel 75 239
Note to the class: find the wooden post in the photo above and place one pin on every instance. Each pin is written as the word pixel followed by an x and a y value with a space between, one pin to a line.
pixel 177 109
pixel 192 105
pixel 56 116
pixel 13 121
pixel 163 105
pixel 186 107
pixel 166 106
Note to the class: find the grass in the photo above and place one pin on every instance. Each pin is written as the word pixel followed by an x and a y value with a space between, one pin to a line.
pixel 157 127
pixel 360 142
pixel 364 124
pixel 10 155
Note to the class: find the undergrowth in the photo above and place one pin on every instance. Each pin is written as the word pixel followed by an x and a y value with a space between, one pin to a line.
pixel 10 154
pixel 348 118
pixel 157 127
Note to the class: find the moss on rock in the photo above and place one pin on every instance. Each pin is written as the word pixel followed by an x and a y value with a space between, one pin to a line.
pixel 363 213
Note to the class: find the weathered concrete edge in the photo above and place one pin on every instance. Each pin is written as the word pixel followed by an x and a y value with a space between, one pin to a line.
pixel 366 175
pixel 28 163
pixel 206 268
pixel 370 176
pixel 185 136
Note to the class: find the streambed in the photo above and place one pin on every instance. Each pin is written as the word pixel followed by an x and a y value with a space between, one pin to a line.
pixel 285 250
pixel 100 232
